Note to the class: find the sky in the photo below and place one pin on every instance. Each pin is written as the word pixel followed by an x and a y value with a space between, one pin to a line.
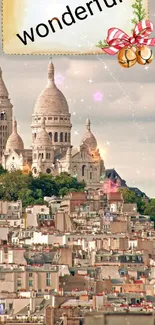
pixel 123 121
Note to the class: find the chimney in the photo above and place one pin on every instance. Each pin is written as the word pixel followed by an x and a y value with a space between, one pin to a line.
pixel 94 302
pixel 53 301
pixel 64 319
pixel 32 302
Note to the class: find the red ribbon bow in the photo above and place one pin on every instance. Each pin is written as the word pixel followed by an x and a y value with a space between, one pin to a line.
pixel 117 39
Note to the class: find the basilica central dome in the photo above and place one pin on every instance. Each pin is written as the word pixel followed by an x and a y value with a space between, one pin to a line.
pixel 51 101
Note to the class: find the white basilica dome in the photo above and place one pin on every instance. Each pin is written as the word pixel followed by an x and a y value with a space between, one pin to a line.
pixel 42 138
pixel 51 101
pixel 14 141
pixel 89 139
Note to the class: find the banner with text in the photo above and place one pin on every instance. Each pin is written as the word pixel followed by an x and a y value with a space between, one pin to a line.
pixel 62 26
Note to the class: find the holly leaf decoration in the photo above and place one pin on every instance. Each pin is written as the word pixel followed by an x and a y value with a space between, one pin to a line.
pixel 102 44
pixel 139 12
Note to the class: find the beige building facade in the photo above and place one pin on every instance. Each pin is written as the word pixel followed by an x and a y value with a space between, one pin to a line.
pixel 29 278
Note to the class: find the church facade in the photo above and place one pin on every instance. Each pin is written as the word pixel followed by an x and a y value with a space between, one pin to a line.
pixel 52 151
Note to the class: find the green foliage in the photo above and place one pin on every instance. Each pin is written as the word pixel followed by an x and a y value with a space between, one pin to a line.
pixel 2 170
pixel 17 186
pixel 150 208
pixel 139 12
pixel 128 196
pixel 102 44
pixel 131 197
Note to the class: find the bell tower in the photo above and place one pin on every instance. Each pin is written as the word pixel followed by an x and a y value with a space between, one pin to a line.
pixel 5 115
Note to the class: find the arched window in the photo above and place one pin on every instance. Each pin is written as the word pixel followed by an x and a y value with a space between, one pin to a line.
pixel 35 170
pixel 56 137
pixel 50 134
pixel 83 170
pixel 69 137
pixel 61 137
pixel 35 135
pixel 3 116
pixel 65 137
pixel 42 156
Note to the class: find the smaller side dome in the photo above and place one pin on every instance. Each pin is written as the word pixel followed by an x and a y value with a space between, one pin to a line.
pixel 43 139
pixel 89 139
pixel 14 141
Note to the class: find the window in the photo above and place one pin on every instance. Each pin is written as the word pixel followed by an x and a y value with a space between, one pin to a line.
pixel 10 306
pixel 30 283
pixel 69 137
pixel 83 170
pixel 50 134
pixel 42 156
pixel 83 154
pixel 65 137
pixel 3 116
pixel 56 137
pixel 90 175
pixel 61 118
pixel 19 283
pixel 55 118
pixel 35 171
pixel 48 279
pixel 30 275
pixel 61 137
pixel 48 156
pixel 48 170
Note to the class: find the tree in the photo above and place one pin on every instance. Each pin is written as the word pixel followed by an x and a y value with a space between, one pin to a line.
pixel 2 170
pixel 12 184
pixel 150 208
pixel 131 197
pixel 63 191
pixel 18 186
pixel 46 184
pixel 128 196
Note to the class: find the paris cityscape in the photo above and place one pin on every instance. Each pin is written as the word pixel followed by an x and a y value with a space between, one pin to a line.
pixel 77 241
